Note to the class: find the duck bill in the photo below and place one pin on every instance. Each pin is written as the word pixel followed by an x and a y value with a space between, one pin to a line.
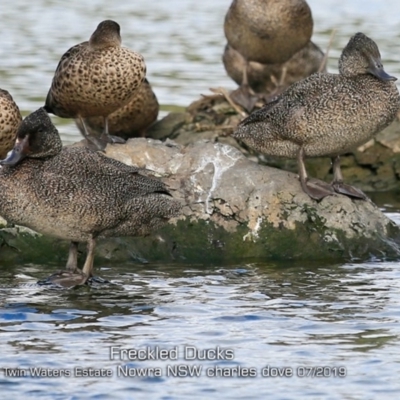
pixel 380 73
pixel 16 154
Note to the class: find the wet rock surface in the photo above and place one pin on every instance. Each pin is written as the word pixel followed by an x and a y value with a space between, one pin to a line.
pixel 234 210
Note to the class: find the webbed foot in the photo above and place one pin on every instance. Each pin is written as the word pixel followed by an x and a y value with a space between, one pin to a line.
pixel 92 141
pixel 97 280
pixel 316 189
pixel 348 190
pixel 96 144
pixel 100 143
pixel 65 278
pixel 244 97
pixel 111 138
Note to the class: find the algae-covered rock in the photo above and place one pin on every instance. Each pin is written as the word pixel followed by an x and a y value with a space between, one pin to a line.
pixel 234 210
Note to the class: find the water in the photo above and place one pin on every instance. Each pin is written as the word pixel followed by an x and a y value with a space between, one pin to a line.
pixel 277 315
pixel 341 317
pixel 182 42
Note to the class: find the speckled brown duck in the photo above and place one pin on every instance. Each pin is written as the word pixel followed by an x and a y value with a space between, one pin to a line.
pixel 268 32
pixel 77 194
pixel 129 121
pixel 95 78
pixel 10 118
pixel 273 78
pixel 327 115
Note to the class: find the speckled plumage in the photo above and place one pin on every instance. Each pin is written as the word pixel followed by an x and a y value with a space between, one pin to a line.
pixel 327 114
pixel 10 118
pixel 263 78
pixel 96 77
pixel 131 120
pixel 268 31
pixel 75 193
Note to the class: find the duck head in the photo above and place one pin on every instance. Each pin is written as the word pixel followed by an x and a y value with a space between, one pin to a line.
pixel 37 137
pixel 361 56
pixel 107 34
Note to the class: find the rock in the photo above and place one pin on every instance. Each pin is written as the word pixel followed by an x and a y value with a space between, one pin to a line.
pixel 390 137
pixel 235 210
pixel 167 126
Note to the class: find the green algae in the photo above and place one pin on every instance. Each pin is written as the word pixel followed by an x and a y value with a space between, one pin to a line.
pixel 204 242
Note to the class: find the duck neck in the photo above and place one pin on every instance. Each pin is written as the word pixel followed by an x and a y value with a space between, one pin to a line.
pixel 98 41
pixel 51 147
pixel 346 68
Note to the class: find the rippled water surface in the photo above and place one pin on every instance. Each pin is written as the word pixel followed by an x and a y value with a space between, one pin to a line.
pixel 341 317
pixel 345 318
pixel 182 42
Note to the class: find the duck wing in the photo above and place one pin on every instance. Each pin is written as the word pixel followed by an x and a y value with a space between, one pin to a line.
pixel 66 57
pixel 293 98
pixel 260 115
pixel 144 177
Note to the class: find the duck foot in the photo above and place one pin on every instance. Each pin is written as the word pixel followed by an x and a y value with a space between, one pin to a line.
pixel 95 144
pixel 244 97
pixel 96 280
pixel 317 189
pixel 4 243
pixel 347 190
pixel 107 138
pixel 100 143
pixel 65 278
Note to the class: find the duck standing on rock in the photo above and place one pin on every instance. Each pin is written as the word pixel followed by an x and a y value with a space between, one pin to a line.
pixel 268 32
pixel 94 79
pixel 327 115
pixel 10 118
pixel 129 121
pixel 77 194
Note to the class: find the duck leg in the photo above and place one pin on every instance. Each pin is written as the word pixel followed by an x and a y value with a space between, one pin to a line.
pixel 107 138
pixel 341 187
pixel 72 262
pixel 93 142
pixel 316 191
pixel 88 266
pixel 71 275
pixel 244 95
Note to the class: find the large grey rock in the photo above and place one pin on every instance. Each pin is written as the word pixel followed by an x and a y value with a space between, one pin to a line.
pixel 234 210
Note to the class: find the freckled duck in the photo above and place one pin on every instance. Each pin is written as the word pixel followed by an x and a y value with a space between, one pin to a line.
pixel 94 79
pixel 10 118
pixel 268 32
pixel 270 78
pixel 327 115
pixel 77 194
